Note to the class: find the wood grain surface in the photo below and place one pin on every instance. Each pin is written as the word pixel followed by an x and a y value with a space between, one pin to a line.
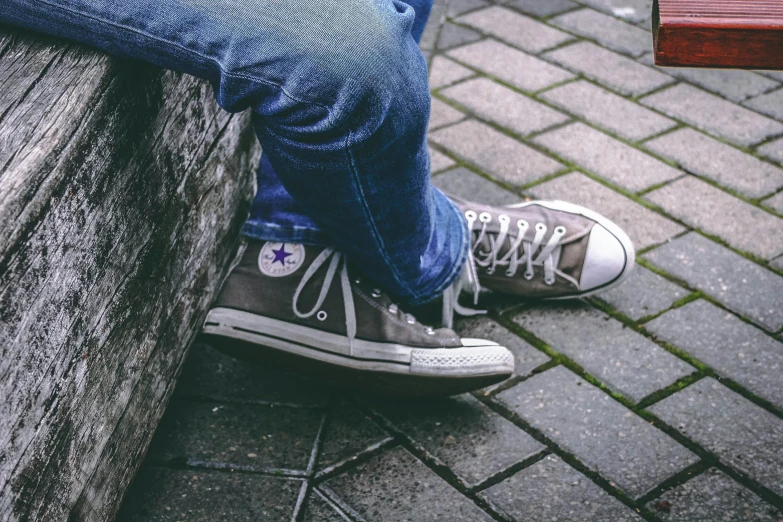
pixel 122 190
pixel 719 33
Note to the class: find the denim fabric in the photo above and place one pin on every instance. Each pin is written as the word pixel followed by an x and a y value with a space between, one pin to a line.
pixel 340 103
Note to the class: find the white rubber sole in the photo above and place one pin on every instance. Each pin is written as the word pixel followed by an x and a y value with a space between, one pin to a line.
pixel 476 358
pixel 616 231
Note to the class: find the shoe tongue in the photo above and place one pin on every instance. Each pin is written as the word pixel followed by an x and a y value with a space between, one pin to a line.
pixel 572 257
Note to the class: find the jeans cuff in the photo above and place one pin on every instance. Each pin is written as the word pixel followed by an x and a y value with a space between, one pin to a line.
pixel 271 232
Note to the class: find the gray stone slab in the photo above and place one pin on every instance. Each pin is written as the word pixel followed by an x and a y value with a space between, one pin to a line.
pixel 741 285
pixel 458 7
pixel 319 509
pixel 777 263
pixel 174 495
pixel 439 161
pixel 615 71
pixel 775 202
pixel 472 440
pixel 526 358
pixel 445 72
pixel 607 157
pixel 348 433
pixel 713 497
pixel 622 359
pixel 716 212
pixel 775 75
pixel 396 486
pixel 734 84
pixel 645 293
pixel 452 35
pixel 643 226
pixel 210 374
pixel 245 436
pixel 501 105
pixel 730 346
pixel 515 28
pixel 772 150
pixel 600 432
pixel 498 155
pixel 722 163
pixel 741 434
pixel 469 185
pixel 442 114
pixel 550 489
pixel 542 8
pixel 514 67
pixel 713 114
pixel 770 104
pixel 607 30
pixel 604 109
pixel 630 10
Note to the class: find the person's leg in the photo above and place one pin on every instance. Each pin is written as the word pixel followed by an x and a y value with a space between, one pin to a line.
pixel 340 102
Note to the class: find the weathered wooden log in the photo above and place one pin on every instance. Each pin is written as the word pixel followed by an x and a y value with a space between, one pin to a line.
pixel 122 190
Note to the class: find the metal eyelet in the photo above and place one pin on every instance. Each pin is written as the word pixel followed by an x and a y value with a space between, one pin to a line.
pixel 485 217
pixel 393 308
pixel 510 273
pixel 470 215
pixel 357 281
pixel 550 282
pixel 521 223
pixel 410 320
pixel 490 270
pixel 376 293
pixel 430 330
pixel 540 227
pixel 504 218
pixel 560 230
pixel 529 275
pixel 321 315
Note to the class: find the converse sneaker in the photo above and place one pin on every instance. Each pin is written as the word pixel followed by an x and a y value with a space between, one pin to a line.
pixel 306 309
pixel 544 249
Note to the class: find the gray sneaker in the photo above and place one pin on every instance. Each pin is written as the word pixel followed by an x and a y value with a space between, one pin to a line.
pixel 304 308
pixel 545 249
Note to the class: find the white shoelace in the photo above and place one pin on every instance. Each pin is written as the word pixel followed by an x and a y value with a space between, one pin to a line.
pixel 338 263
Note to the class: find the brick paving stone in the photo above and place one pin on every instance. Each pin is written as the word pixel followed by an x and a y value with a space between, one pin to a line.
pixel 507 108
pixel 630 10
pixel 174 495
pixel 710 209
pixel 442 113
pixel 542 8
pixel 514 67
pixel 396 486
pixel 452 35
pixel 741 285
pixel 643 226
pixel 458 7
pixel 613 70
pixel 515 28
pixel 735 84
pixel 466 184
pixel 619 357
pixel 472 440
pixel 445 72
pixel 348 433
pixel 606 30
pixel 713 114
pixel 439 161
pixel 494 152
pixel 730 346
pixel 713 497
pixel 645 293
pixel 210 374
pixel 607 110
pixel 770 104
pixel 550 489
pixel 775 202
pixel 772 150
pixel 777 263
pixel 319 509
pixel 607 157
pixel 599 431
pixel 741 434
pixel 526 358
pixel 244 435
pixel 722 163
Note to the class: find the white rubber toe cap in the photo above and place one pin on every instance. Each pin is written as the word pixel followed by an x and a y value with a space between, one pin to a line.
pixel 609 258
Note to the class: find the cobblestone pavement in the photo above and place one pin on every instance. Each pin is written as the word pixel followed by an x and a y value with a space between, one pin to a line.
pixel 662 400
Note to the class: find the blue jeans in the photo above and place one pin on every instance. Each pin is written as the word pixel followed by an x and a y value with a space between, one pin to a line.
pixel 340 102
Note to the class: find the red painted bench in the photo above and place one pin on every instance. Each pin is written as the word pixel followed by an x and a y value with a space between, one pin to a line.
pixel 718 33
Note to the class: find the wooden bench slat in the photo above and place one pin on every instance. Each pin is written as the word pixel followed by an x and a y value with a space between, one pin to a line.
pixel 718 33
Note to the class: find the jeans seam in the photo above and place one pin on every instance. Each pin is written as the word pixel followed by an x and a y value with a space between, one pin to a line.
pixel 212 59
